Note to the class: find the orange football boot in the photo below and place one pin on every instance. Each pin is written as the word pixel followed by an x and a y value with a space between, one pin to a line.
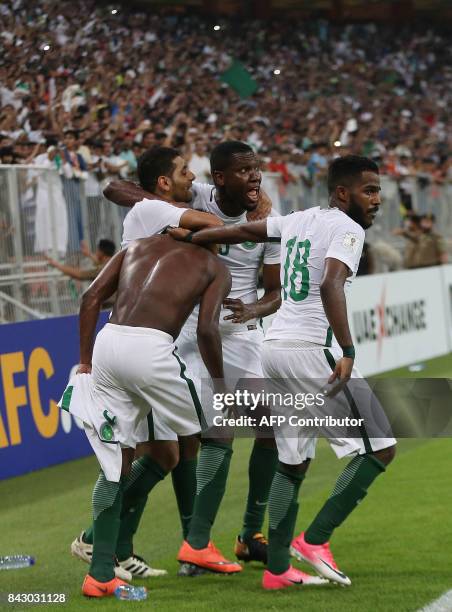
pixel 208 558
pixel 93 588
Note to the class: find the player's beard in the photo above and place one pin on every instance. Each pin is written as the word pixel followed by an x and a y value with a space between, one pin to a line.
pixel 184 195
pixel 356 213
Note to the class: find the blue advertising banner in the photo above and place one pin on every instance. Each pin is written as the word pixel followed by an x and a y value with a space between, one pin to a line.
pixel 36 361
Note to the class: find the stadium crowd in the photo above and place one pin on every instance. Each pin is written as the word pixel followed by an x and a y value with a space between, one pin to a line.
pixel 86 89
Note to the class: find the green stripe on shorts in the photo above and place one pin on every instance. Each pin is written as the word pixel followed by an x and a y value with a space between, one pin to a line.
pixel 192 389
pixel 150 420
pixel 352 404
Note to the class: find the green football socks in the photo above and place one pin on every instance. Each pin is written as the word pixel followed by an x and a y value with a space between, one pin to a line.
pixel 107 498
pixel 282 514
pixel 261 470
pixel 143 477
pixel 211 475
pixel 184 484
pixel 350 489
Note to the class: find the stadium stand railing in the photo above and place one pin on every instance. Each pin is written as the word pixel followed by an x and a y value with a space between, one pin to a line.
pixel 41 215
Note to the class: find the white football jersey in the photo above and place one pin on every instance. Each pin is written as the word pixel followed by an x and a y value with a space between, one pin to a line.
pixel 149 217
pixel 243 260
pixel 307 239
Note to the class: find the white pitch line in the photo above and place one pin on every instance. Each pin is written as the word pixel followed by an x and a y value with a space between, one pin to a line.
pixel 442 604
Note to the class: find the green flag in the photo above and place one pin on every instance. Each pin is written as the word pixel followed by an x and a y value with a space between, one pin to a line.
pixel 238 77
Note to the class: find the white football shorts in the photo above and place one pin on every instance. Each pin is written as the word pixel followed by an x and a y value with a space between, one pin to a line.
pixel 136 372
pixel 294 365
pixel 241 359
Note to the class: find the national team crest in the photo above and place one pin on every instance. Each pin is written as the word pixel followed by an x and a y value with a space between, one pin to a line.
pixel 106 432
pixel 248 245
pixel 351 242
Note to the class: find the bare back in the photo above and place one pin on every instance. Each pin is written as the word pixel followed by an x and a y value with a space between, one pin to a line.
pixel 161 281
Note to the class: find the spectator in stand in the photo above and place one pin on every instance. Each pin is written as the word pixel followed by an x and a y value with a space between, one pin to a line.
pixel 104 252
pixel 432 250
pixel 74 170
pixel 376 89
pixel 412 233
pixel 199 163
pixel 7 155
pixel 51 223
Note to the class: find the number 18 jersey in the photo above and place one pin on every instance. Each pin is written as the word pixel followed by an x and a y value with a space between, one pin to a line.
pixel 307 239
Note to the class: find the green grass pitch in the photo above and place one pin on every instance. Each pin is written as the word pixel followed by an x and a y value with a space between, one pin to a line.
pixel 396 546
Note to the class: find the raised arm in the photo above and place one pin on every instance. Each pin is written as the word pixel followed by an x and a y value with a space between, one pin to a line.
pixel 101 289
pixel 126 193
pixel 335 306
pixel 196 220
pixel 208 333
pixel 72 271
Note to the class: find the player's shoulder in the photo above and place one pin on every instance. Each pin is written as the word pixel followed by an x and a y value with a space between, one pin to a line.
pixel 202 194
pixel 147 202
pixel 339 220
pixel 294 217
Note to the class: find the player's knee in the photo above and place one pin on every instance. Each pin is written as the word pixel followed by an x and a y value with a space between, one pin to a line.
pixel 188 447
pixel 386 455
pixel 127 459
pixel 170 457
pixel 164 453
pixel 296 470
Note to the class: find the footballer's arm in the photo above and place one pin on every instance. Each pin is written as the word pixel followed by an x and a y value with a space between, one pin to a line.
pixel 126 193
pixel 235 234
pixel 100 290
pixel 335 306
pixel 208 332
pixel 267 305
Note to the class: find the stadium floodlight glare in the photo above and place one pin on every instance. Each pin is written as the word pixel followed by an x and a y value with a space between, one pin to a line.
pixel 216 28
pixel 114 11
pixel 46 48
pixel 337 143
pixel 277 71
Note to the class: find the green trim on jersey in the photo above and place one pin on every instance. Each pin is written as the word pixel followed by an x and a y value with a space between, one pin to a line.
pixel 329 337
pixel 223 249
pixel 352 404
pixel 192 389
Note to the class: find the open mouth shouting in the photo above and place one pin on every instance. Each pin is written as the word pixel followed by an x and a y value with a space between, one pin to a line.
pixel 253 194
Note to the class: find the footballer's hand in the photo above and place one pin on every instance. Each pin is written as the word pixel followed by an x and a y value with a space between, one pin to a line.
pixel 241 313
pixel 178 233
pixel 341 375
pixel 84 368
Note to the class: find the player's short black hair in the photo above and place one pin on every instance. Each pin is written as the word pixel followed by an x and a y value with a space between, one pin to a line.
pixel 221 155
pixel 344 169
pixel 107 247
pixel 155 162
